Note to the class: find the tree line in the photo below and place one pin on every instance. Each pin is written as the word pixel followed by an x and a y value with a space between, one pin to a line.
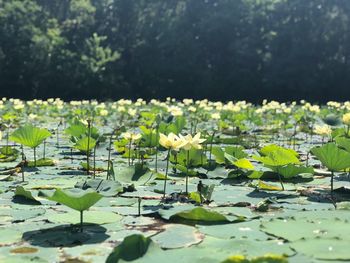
pixel 216 49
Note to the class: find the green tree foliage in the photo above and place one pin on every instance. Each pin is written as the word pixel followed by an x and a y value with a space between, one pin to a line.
pixel 282 49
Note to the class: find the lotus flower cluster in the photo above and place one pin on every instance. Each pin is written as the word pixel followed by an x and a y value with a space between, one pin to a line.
pixel 174 142
pixel 131 136
pixel 346 118
pixel 324 130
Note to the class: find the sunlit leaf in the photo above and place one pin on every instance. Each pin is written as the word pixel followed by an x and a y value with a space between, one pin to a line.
pixel 332 157
pixel 30 136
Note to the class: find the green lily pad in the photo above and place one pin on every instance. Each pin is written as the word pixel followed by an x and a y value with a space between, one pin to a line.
pixel 85 144
pixel 244 164
pixel 30 136
pixel 95 217
pixel 332 157
pixel 177 236
pixel 304 227
pixel 8 236
pixel 14 215
pixel 245 230
pixel 292 170
pixel 104 187
pixel 77 200
pixel 20 191
pixel 343 142
pixel 324 249
pixel 41 162
pixel 132 247
pixel 279 157
pixel 199 215
pixel 266 150
pixel 136 175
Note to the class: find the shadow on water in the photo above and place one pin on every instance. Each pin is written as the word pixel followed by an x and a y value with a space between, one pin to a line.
pixel 31 169
pixel 66 236
pixel 69 153
pixel 72 173
pixel 24 201
pixel 262 194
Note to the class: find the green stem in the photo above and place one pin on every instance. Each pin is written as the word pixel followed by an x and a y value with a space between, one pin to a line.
pixel 139 206
pixel 199 187
pixel 151 137
pixel 280 179
pixel 157 141
pixel 109 155
pixel 332 178
pixel 81 221
pixel 44 154
pixel 166 172
pixel 58 137
pixel 138 152
pixel 294 135
pixel 156 161
pixel 88 148
pixel 211 145
pixel 34 156
pixel 23 160
pixel 94 174
pixel 129 157
pixel 7 139
pixel 187 168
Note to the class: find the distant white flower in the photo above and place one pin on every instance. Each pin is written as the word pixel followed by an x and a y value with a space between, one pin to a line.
pixel 32 116
pixel 215 116
pixel 131 136
pixel 189 142
pixel 346 118
pixel 192 109
pixel 132 112
pixel 323 130
pixel 175 111
pixel 103 112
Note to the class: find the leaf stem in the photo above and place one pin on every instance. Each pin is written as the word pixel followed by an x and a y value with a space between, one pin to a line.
pixel 88 148
pixel 7 138
pixel 157 141
pixel 94 173
pixel 109 153
pixel 129 157
pixel 34 156
pixel 44 154
pixel 187 168
pixel 332 178
pixel 280 179
pixel 139 206
pixel 23 161
pixel 81 221
pixel 211 145
pixel 166 172
pixel 58 136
